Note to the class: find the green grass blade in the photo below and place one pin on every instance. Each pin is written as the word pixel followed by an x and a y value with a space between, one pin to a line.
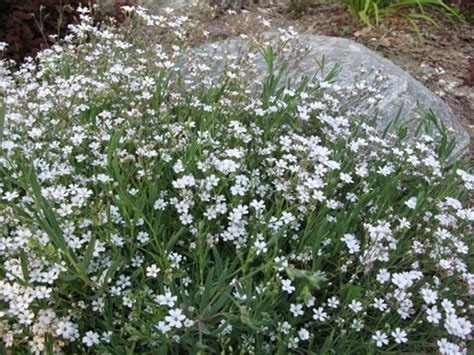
pixel 88 255
pixel 3 109
pixel 24 266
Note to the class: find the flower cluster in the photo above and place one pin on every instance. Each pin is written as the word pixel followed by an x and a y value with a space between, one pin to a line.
pixel 155 198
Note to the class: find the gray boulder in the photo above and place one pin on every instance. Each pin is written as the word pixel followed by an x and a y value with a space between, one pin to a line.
pixel 404 92
pixel 157 4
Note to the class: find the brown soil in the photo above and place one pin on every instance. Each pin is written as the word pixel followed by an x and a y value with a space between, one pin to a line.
pixel 442 57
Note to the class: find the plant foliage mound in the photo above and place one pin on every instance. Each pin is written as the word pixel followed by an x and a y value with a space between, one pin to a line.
pixel 150 204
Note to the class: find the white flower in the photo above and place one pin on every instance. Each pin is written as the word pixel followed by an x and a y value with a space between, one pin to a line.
pixel 383 276
pixel 379 304
pixel 160 204
pixel 67 330
pixel 357 325
pixel 380 338
pixel 467 178
pixel 281 262
pixel 296 309
pixel 411 202
pixel 445 347
pixel 448 306
pixel 184 182
pixel 106 336
pixel 167 299
pixel 226 166
pixel 116 240
pixel 178 167
pixel 429 296
pixel 259 206
pixel 458 326
pixel 404 280
pixel 226 328
pixel 260 247
pixel 103 178
pixel 286 286
pixel 346 178
pixel 152 271
pixel 310 301
pixel 319 314
pixel 355 306
pixel 124 281
pixel 163 327
pixel 400 336
pixel 175 318
pixel 285 327
pixel 333 302
pixel 241 297
pixel 352 243
pixel 188 323
pixel 386 170
pixel 10 196
pixel 91 338
pixel 303 334
pixel 433 315
pixel 143 237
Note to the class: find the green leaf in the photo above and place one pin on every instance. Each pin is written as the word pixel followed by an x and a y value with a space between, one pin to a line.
pixel 268 55
pixel 222 300
pixel 328 345
pixel 66 69
pixel 113 267
pixel 206 296
pixel 174 238
pixel 418 16
pixel 49 222
pixel 3 109
pixel 314 279
pixel 88 255
pixel 69 278
pixel 376 13
pixel 217 261
pixel 352 292
pixel 24 266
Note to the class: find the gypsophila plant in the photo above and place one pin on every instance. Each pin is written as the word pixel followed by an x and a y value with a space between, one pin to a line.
pixel 153 201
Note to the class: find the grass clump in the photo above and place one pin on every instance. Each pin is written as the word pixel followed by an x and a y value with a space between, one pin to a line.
pixel 370 12
pixel 152 205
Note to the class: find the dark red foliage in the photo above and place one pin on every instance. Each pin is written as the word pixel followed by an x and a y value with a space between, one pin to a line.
pixel 27 24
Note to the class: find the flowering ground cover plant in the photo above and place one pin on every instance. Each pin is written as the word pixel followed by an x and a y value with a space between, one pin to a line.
pixel 148 208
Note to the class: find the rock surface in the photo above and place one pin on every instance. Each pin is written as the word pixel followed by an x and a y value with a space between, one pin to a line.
pixel 405 93
pixel 174 4
pixel 223 5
